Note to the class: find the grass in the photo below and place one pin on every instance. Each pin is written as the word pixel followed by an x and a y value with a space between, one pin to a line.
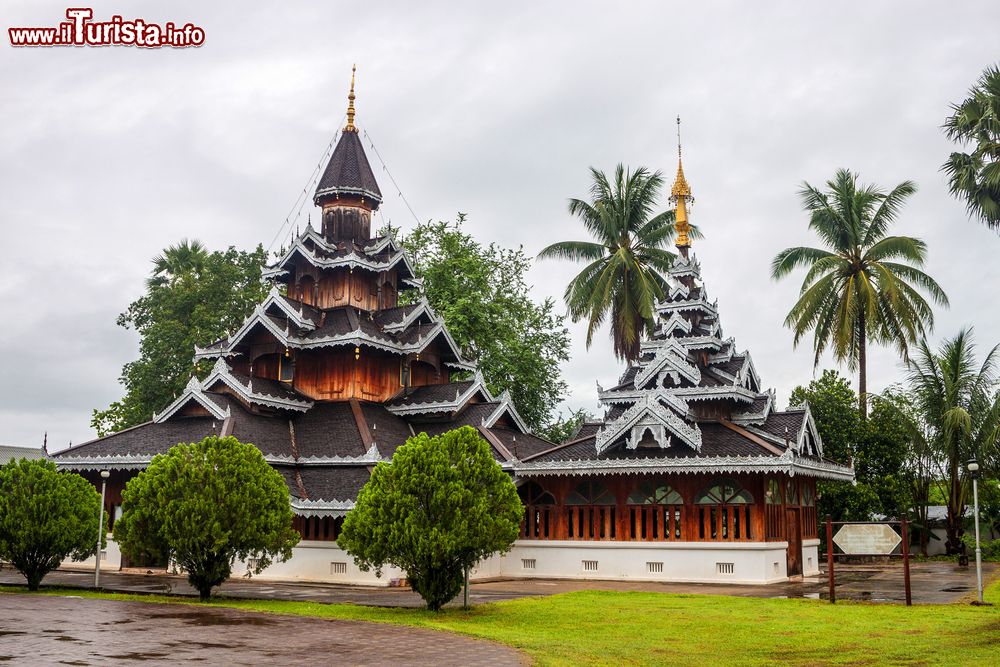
pixel 628 628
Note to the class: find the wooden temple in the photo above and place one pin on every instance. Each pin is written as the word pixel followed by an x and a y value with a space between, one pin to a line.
pixel 693 474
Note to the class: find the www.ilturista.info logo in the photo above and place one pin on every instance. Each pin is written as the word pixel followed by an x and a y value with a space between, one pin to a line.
pixel 80 30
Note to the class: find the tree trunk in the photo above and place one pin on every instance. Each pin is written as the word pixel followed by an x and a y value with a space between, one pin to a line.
pixel 862 368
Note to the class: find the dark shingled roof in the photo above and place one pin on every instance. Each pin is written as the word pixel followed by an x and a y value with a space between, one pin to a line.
pixel 778 421
pixel 388 431
pixel 521 445
pixel 329 429
pixel 431 393
pixel 338 483
pixel 269 433
pixel 348 171
pixel 395 315
pixel 716 440
pixel 148 438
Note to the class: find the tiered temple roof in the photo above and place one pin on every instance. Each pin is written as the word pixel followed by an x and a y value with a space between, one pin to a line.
pixel 692 402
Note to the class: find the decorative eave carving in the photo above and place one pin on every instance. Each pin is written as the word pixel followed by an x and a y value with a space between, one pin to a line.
pixel 670 359
pixel 506 405
pixel 351 260
pixel 648 409
pixel 756 418
pixel 192 392
pixel 787 463
pixel 478 385
pixel 220 373
pixel 321 508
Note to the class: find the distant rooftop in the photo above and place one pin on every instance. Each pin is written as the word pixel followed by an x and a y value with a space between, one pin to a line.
pixel 8 452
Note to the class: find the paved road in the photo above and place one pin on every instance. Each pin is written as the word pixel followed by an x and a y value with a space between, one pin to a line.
pixel 932 582
pixel 49 630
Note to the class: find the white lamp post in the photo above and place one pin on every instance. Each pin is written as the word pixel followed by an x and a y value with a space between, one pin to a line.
pixel 973 466
pixel 100 529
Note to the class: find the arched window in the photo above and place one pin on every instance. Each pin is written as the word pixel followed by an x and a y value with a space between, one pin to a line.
pixel 656 511
pixel 791 492
pixel 655 492
pixel 724 492
pixel 590 493
pixel 533 494
pixel 774 512
pixel 539 512
pixel 590 512
pixel 724 507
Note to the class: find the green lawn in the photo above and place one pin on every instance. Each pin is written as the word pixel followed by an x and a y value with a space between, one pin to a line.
pixel 623 628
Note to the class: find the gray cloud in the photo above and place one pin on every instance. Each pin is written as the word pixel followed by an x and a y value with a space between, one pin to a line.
pixel 108 155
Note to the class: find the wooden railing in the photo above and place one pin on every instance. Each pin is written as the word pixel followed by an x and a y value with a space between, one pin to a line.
pixel 591 522
pixel 656 522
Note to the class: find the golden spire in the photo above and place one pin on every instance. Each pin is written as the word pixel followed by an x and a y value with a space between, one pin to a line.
pixel 350 105
pixel 681 193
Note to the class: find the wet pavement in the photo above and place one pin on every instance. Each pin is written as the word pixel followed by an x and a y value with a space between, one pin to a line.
pixel 932 582
pixel 64 630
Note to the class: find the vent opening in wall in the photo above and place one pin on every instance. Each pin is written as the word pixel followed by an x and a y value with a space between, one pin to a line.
pixel 338 567
pixel 590 566
pixel 527 563
pixel 654 567
pixel 777 568
pixel 104 554
pixel 809 564
pixel 725 568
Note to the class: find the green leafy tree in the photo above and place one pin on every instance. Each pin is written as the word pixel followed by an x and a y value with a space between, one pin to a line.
pixel 482 294
pixel 878 449
pixel 192 297
pixel 205 505
pixel 626 264
pixel 564 428
pixel 46 516
pixel 442 505
pixel 863 286
pixel 958 403
pixel 975 123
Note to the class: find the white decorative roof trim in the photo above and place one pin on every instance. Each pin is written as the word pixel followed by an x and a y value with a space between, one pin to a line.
pixel 787 463
pixel 756 418
pixel 809 424
pixel 680 306
pixel 678 289
pixel 685 267
pixel 338 189
pixel 701 342
pixel 648 406
pixel 670 358
pixel 725 354
pixel 105 462
pixel 321 508
pixel 283 303
pixel 673 323
pixel 220 373
pixel 710 393
pixel 506 405
pixel 478 385
pixel 355 337
pixel 371 457
pixel 635 395
pixel 423 308
pixel 350 260
pixel 194 392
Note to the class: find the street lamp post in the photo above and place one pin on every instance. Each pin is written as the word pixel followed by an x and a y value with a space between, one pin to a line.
pixel 973 466
pixel 100 530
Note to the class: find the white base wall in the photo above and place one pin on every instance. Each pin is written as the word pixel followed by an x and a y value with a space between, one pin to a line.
pixel 692 562
pixel 810 558
pixel 322 562
pixel 111 559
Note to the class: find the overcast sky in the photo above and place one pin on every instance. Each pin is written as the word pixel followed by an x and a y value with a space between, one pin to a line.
pixel 107 155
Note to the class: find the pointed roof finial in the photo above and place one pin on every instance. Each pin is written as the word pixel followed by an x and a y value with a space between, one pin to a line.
pixel 681 195
pixel 350 104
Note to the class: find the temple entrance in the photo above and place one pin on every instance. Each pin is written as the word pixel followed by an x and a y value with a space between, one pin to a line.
pixel 793 531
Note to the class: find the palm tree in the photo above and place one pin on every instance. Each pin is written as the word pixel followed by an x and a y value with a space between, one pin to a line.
pixel 975 176
pixel 187 257
pixel 863 286
pixel 960 406
pixel 624 275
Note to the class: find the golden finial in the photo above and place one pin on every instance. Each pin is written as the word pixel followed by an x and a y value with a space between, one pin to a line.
pixel 350 105
pixel 680 194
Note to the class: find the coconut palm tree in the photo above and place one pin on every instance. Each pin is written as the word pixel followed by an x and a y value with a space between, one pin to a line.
pixel 975 176
pixel 187 257
pixel 958 402
pixel 624 275
pixel 862 287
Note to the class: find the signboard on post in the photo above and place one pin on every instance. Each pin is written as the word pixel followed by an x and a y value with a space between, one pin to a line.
pixel 867 539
